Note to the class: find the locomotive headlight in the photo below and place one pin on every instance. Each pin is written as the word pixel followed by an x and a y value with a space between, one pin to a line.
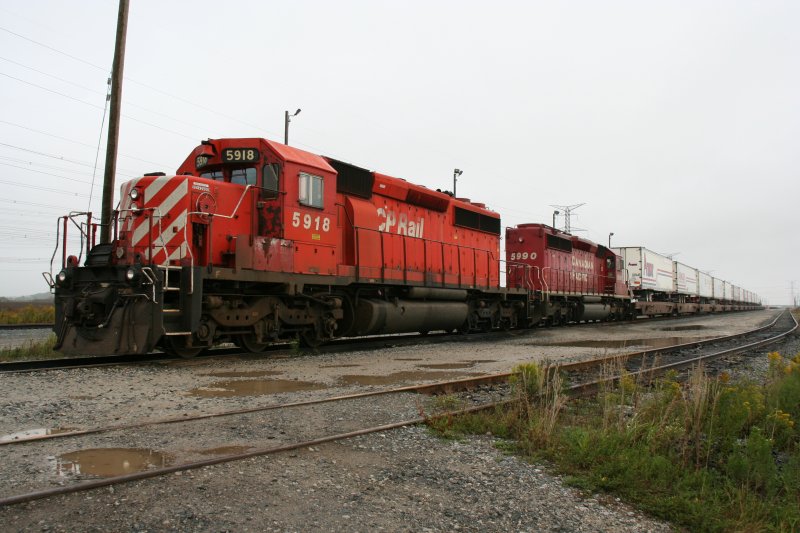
pixel 131 274
pixel 61 277
pixel 134 194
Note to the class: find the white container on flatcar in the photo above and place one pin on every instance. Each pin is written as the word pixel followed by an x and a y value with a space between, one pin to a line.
pixel 728 291
pixel 685 279
pixel 705 285
pixel 737 293
pixel 719 289
pixel 646 269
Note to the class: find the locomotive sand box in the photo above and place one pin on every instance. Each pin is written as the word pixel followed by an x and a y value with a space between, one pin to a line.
pixel 253 242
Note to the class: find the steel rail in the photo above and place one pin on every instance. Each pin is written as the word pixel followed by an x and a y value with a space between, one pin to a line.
pixel 32 325
pixel 590 386
pixel 88 485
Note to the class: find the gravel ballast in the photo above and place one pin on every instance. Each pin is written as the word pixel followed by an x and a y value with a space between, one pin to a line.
pixel 405 479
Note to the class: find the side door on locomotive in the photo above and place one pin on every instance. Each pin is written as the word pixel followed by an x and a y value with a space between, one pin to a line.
pixel 310 221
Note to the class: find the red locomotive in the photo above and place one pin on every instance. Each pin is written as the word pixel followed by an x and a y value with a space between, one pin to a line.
pixel 253 241
pixel 577 279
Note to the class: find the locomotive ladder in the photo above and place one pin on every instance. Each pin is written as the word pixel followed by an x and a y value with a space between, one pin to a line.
pixel 175 308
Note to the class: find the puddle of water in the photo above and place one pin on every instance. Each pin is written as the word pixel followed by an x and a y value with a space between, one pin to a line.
pixel 225 450
pixel 480 361
pixel 80 397
pixel 253 387
pixel 629 343
pixel 683 328
pixel 399 377
pixel 37 432
pixel 109 462
pixel 243 373
pixel 447 366
pixel 338 366
pixel 409 359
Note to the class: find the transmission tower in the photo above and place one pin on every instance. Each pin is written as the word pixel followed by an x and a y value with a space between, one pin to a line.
pixel 567 209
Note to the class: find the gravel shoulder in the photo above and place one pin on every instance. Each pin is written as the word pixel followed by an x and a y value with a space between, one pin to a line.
pixel 401 480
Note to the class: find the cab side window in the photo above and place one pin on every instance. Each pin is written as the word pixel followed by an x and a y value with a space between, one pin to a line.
pixel 270 181
pixel 311 190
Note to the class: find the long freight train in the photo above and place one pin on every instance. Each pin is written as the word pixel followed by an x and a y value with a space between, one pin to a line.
pixel 253 242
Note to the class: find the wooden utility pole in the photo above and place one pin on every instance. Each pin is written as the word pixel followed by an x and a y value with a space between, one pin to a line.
pixel 113 123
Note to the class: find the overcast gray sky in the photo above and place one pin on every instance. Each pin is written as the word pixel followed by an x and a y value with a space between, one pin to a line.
pixel 677 123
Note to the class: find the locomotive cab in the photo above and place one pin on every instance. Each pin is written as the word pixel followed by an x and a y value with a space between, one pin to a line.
pixel 289 208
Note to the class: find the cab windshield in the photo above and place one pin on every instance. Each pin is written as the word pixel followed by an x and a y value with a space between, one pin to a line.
pixel 270 186
pixel 239 176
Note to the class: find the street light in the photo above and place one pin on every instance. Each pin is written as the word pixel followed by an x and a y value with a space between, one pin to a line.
pixel 287 120
pixel 609 238
pixel 456 174
pixel 554 218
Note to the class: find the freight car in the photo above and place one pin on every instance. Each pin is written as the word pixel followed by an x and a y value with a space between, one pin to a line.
pixel 661 286
pixel 253 241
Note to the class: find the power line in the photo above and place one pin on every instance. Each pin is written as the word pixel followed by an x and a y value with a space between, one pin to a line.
pixel 78 59
pixel 21 202
pixel 50 90
pixel 52 167
pixel 64 80
pixel 20 126
pixel 150 87
pixel 126 102
pixel 39 188
pixel 192 137
pixel 45 173
pixel 61 158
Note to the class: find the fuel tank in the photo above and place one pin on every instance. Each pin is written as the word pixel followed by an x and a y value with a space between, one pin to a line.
pixel 596 311
pixel 406 316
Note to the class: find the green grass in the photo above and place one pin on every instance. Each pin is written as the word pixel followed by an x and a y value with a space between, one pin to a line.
pixel 31 350
pixel 707 455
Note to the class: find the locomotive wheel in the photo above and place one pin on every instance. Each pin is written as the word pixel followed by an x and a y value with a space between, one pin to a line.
pixel 310 339
pixel 249 343
pixel 177 346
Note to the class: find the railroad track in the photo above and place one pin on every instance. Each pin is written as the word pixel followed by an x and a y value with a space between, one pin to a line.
pixel 284 349
pixel 288 424
pixel 37 325
pixel 279 349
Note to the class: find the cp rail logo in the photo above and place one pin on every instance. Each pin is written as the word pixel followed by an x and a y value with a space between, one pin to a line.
pixel 402 224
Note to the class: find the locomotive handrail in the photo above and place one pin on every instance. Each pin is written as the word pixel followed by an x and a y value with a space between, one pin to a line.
pixel 89 234
pixel 210 216
pixel 156 213
pixel 161 243
pixel 566 281
pixel 526 278
pixel 151 277
pixel 545 285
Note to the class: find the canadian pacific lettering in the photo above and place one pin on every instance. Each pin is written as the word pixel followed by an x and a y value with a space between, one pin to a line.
pixel 400 224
